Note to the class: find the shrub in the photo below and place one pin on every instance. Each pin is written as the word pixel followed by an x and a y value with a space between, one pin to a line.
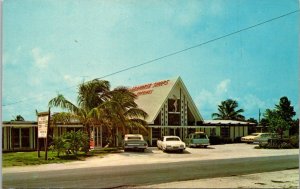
pixel 58 145
pixel 237 140
pixel 213 140
pixel 70 142
pixel 226 140
pixel 294 141
pixel 279 143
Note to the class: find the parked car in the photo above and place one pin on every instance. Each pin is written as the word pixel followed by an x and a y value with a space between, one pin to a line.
pixel 264 138
pixel 134 142
pixel 171 143
pixel 197 139
pixel 255 137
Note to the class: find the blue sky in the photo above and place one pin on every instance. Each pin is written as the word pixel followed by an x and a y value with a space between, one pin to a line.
pixel 50 46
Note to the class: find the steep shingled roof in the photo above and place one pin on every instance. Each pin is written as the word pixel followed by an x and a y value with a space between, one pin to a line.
pixel 151 97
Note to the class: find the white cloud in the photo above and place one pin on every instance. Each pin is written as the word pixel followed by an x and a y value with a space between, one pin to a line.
pixel 208 101
pixel 251 102
pixel 222 87
pixel 71 80
pixel 40 60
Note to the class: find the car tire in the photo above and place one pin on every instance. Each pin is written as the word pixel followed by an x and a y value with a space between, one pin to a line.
pixel 181 151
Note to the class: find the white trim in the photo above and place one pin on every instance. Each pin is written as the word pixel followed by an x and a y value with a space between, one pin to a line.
pixel 180 126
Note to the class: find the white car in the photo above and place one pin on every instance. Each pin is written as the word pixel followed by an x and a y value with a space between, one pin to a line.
pixel 134 142
pixel 171 143
pixel 256 137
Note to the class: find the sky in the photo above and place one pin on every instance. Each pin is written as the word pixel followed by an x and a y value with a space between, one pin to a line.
pixel 51 46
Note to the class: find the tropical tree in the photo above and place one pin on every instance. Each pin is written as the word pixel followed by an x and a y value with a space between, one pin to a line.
pixel 280 118
pixel 18 118
pixel 252 120
pixel 90 96
pixel 99 106
pixel 275 122
pixel 285 110
pixel 122 112
pixel 227 111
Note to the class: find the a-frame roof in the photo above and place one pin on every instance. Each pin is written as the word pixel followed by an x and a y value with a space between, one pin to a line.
pixel 151 97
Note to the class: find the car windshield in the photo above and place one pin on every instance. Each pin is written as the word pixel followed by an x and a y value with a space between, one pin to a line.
pixel 172 139
pixel 134 138
pixel 199 136
pixel 254 134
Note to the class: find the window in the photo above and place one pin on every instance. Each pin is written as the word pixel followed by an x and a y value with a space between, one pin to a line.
pixel 25 137
pixel 224 131
pixel 174 119
pixel 134 138
pixel 16 137
pixel 200 136
pixel 172 139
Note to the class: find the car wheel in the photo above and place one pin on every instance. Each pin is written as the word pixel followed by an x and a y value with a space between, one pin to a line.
pixel 205 146
pixel 181 151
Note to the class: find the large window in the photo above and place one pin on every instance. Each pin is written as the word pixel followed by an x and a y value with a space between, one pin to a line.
pixel 16 137
pixel 25 137
pixel 174 105
pixel 174 119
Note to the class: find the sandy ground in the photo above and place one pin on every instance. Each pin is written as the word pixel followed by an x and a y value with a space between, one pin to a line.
pixel 287 178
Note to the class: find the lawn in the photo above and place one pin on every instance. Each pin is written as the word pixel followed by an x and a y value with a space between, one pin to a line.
pixel 31 158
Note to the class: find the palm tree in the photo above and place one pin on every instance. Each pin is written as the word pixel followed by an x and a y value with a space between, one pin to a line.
pixel 90 96
pixel 227 111
pixel 97 105
pixel 19 118
pixel 122 112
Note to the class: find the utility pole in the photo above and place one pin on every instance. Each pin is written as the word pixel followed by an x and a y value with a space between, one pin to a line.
pixel 259 114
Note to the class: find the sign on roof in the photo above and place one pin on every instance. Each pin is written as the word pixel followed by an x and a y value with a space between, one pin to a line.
pixel 148 88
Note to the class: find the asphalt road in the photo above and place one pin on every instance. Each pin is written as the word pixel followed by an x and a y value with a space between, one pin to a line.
pixel 135 175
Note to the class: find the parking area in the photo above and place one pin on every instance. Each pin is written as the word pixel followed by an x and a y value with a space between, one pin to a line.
pixel 153 155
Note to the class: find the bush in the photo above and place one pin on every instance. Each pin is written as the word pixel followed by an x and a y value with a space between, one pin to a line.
pixel 226 140
pixel 287 143
pixel 213 140
pixel 71 142
pixel 294 141
pixel 237 140
pixel 58 145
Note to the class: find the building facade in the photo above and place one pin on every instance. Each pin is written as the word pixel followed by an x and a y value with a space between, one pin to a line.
pixel 170 108
pixel 172 111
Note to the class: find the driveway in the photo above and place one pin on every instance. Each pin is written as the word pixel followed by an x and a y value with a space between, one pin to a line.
pixel 153 155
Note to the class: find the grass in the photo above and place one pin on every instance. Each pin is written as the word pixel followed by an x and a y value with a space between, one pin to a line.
pixel 31 158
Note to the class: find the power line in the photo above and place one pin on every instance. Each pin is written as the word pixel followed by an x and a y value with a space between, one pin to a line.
pixel 173 53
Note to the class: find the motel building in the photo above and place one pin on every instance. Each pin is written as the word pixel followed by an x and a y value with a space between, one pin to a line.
pixel 170 108
pixel 172 111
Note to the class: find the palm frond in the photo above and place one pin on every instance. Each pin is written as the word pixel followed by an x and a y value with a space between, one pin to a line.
pixel 62 102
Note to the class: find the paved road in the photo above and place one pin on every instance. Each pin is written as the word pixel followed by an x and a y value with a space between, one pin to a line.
pixel 135 175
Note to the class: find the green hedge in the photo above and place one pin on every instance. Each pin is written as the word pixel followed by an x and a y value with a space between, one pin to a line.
pixel 213 140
